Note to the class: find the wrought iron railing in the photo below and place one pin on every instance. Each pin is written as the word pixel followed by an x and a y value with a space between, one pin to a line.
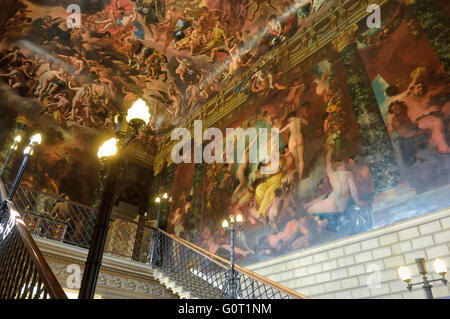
pixel 24 272
pixel 209 276
pixel 202 273
pixel 55 218
pixel 129 239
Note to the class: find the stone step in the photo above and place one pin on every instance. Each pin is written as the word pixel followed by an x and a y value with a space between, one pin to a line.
pixel 172 285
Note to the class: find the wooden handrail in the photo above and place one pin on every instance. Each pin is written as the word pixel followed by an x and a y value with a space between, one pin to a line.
pixel 3 193
pixel 214 258
pixel 47 276
pixel 198 250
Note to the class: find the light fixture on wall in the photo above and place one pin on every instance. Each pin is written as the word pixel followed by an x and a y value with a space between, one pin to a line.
pixel 232 287
pixel 35 140
pixel 439 267
pixel 110 153
pixel 12 150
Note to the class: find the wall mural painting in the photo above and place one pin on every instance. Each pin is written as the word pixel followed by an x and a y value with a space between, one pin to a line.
pixel 413 93
pixel 322 180
pixel 174 54
pixel 180 201
pixel 65 165
pixel 324 189
pixel 71 83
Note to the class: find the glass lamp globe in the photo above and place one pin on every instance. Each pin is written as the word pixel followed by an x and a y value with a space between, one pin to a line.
pixel 440 267
pixel 18 139
pixel 165 196
pixel 157 200
pixel 109 148
pixel 239 218
pixel 225 224
pixel 36 139
pixel 28 150
pixel 138 115
pixel 404 274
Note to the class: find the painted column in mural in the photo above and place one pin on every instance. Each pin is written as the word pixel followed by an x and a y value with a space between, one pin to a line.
pixel 375 138
pixel 166 185
pixel 195 214
pixel 434 21
pixel 142 233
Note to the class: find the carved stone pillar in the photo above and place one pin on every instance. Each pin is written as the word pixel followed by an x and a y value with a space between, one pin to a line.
pixel 375 139
pixel 434 22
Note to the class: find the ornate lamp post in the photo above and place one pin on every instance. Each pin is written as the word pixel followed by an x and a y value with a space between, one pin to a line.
pixel 155 257
pixel 233 287
pixel 138 116
pixel 439 267
pixel 12 150
pixel 34 142
pixel 158 202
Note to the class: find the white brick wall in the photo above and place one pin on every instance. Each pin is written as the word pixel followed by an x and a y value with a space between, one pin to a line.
pixel 365 265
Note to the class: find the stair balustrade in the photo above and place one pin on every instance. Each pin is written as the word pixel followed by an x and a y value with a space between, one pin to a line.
pixel 209 276
pixel 24 272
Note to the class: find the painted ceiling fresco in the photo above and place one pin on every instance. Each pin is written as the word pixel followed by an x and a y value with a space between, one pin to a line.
pixel 175 54
pixel 72 82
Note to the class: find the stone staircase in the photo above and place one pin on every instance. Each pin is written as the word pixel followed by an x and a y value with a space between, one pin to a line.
pixel 172 285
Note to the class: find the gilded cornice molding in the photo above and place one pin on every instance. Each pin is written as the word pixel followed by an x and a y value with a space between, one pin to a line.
pixel 330 28
pixel 345 38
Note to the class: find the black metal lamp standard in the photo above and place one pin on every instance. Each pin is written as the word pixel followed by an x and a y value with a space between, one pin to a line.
pixel 12 150
pixel 439 267
pixel 233 284
pixel 35 140
pixel 155 258
pixel 138 116
pixel 28 151
pixel 158 202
